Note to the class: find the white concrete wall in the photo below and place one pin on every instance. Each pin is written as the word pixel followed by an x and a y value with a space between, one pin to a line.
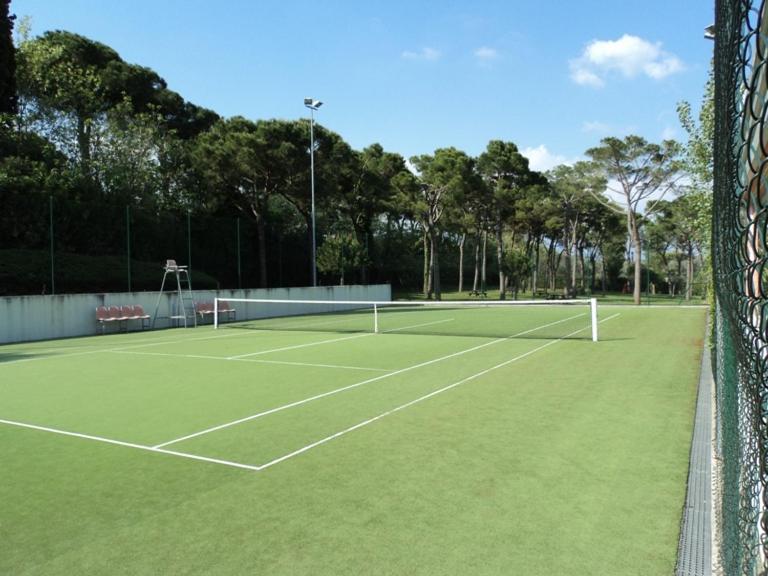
pixel 25 318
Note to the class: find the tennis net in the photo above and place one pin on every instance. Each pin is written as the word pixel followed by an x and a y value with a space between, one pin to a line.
pixel 571 319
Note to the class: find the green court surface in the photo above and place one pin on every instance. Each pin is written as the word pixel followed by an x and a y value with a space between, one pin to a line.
pixel 454 441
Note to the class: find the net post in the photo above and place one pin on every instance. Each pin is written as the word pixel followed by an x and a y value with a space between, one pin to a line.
pixel 593 315
pixel 375 319
pixel 215 313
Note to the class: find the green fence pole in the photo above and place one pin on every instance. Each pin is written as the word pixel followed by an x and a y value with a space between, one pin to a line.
pixel 239 267
pixel 189 247
pixel 50 220
pixel 128 242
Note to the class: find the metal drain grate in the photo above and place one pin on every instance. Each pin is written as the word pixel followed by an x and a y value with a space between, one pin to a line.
pixel 694 555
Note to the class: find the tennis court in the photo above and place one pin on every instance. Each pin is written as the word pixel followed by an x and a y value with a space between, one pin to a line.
pixel 457 440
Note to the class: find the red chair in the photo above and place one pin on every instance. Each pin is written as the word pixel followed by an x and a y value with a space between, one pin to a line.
pixel 127 312
pixel 103 317
pixel 139 314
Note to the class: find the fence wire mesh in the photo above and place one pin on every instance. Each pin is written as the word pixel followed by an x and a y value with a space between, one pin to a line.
pixel 740 256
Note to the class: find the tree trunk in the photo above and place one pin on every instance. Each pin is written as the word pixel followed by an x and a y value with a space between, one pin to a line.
pixel 485 259
pixel 425 277
pixel 261 236
pixel 574 263
pixel 535 275
pixel 637 245
pixel 602 270
pixel 500 262
pixel 84 146
pixel 689 275
pixel 430 270
pixel 461 262
pixel 567 254
pixel 551 265
pixel 361 236
pixel 435 256
pixel 583 275
pixel 477 263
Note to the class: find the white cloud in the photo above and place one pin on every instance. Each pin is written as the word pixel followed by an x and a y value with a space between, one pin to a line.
pixel 669 133
pixel 629 56
pixel 585 77
pixel 604 129
pixel 485 54
pixel 425 53
pixel 541 159
pixel 597 127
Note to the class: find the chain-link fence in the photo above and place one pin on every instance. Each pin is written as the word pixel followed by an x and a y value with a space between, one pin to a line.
pixel 740 255
pixel 52 245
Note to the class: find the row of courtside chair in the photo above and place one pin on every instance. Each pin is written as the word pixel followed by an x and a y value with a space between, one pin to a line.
pixel 122 315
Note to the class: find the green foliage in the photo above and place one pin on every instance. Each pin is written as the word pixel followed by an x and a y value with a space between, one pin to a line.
pixel 94 129
pixel 339 254
pixel 29 271
pixel 699 163
pixel 517 267
pixel 645 173
pixel 699 155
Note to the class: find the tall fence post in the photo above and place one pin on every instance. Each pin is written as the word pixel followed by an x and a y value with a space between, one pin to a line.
pixel 239 266
pixel 50 222
pixel 189 247
pixel 128 242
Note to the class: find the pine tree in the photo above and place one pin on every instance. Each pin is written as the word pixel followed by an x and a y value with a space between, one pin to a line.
pixel 8 96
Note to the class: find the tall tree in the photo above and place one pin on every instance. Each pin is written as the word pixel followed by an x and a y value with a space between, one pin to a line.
pixel 371 191
pixel 445 175
pixel 8 96
pixel 506 173
pixel 69 83
pixel 641 174
pixel 234 162
pixel 699 163
pixel 574 187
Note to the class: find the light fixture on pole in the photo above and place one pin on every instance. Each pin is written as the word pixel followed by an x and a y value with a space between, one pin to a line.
pixel 313 105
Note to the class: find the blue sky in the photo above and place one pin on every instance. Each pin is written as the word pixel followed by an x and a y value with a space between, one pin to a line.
pixel 552 77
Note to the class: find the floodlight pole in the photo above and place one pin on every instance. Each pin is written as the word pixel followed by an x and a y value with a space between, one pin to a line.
pixel 313 105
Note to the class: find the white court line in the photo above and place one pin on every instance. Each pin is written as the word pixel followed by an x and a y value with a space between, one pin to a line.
pixel 99 349
pixel 417 400
pixel 250 467
pixel 296 347
pixel 417 325
pixel 657 306
pixel 38 358
pixel 356 385
pixel 307 345
pixel 128 444
pixel 223 359
pixel 297 323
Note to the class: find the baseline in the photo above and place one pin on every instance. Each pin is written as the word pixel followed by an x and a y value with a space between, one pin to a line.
pixel 127 444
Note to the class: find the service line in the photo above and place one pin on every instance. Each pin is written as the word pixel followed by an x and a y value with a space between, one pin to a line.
pixel 356 385
pixel 417 400
pixel 159 448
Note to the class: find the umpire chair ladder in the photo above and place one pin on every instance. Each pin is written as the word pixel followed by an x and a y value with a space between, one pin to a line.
pixel 182 306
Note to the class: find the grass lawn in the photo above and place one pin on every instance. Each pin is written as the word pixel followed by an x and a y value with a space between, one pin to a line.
pixel 345 453
pixel 657 299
